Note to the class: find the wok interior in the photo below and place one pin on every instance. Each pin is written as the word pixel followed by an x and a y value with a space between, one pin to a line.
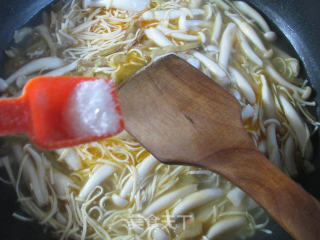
pixel 9 199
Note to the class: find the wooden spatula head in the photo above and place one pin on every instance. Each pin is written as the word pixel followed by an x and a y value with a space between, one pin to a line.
pixel 178 113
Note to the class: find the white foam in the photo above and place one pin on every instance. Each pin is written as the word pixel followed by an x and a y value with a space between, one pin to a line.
pixel 91 110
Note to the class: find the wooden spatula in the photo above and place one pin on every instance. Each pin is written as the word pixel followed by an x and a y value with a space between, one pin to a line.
pixel 45 111
pixel 182 117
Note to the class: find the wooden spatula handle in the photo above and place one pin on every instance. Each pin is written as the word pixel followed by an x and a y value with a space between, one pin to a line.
pixel 289 204
pixel 14 115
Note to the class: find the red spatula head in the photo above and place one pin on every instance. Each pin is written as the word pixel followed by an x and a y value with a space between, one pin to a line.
pixel 64 111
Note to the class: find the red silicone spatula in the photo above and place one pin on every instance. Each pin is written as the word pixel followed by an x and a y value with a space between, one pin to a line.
pixel 43 112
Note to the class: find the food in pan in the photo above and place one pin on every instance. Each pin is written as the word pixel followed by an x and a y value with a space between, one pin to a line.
pixel 114 189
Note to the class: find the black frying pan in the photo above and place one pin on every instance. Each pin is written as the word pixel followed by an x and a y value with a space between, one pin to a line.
pixel 296 22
